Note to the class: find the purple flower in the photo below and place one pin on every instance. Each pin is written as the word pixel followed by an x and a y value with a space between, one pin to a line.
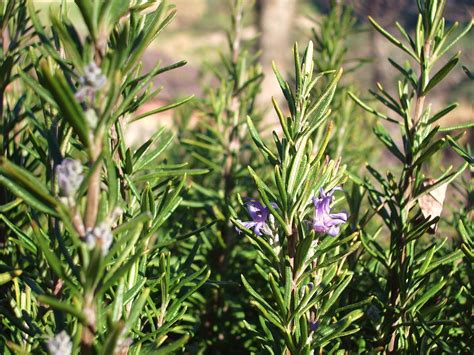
pixel 313 326
pixel 259 214
pixel 323 221
pixel 91 82
pixel 70 176
pixel 309 287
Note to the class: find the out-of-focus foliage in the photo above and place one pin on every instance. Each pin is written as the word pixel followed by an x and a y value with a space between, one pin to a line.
pixel 215 135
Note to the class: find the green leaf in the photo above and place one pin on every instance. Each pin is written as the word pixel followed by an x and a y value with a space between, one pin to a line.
pixel 283 121
pixel 27 197
pixel 462 152
pixel 19 175
pixel 118 302
pixel 134 291
pixel 452 42
pixel 170 173
pixel 442 113
pixel 113 182
pixel 269 315
pixel 450 258
pixel 334 296
pixel 111 279
pixel 50 256
pixel 457 127
pixel 295 166
pixel 370 109
pixel 171 348
pixel 62 306
pixel 407 73
pixel 86 10
pixel 441 74
pixel 259 143
pixel 254 293
pixel 136 310
pixel 162 109
pixel 154 24
pixel 385 138
pixel 277 295
pixel 37 88
pixel 113 339
pixel 469 74
pixel 132 223
pixel 64 97
pixel 432 291
pixel 427 261
pixel 318 111
pixel 6 277
pixel 392 39
pixel 68 36
pixel 285 88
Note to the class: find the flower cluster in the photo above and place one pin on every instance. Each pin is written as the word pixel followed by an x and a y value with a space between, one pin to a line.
pixel 60 344
pixel 313 326
pixel 100 235
pixel 90 82
pixel 69 175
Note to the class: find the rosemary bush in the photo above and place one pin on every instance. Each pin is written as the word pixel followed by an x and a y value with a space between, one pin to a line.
pixel 293 227
pixel 240 235
pixel 85 211
pixel 219 142
pixel 409 275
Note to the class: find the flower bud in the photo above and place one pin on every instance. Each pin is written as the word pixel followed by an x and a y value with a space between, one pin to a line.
pixel 100 235
pixel 93 76
pixel 60 344
pixel 90 82
pixel 91 118
pixel 70 177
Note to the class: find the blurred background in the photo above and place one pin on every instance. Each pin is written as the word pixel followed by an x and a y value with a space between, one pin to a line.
pixel 198 35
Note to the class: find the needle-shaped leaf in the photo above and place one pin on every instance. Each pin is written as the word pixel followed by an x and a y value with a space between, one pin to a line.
pixel 64 97
pixel 441 74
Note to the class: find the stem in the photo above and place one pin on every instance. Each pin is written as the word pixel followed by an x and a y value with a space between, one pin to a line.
pixel 237 29
pixel 93 192
pixel 291 248
pixel 420 100
pixel 88 331
pixel 230 130
pixel 398 270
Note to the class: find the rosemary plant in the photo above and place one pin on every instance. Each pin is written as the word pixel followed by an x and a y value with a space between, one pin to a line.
pixel 293 229
pixel 91 260
pixel 406 275
pixel 219 142
pixel 332 38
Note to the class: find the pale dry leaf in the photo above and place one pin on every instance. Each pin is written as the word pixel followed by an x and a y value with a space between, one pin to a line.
pixel 431 204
